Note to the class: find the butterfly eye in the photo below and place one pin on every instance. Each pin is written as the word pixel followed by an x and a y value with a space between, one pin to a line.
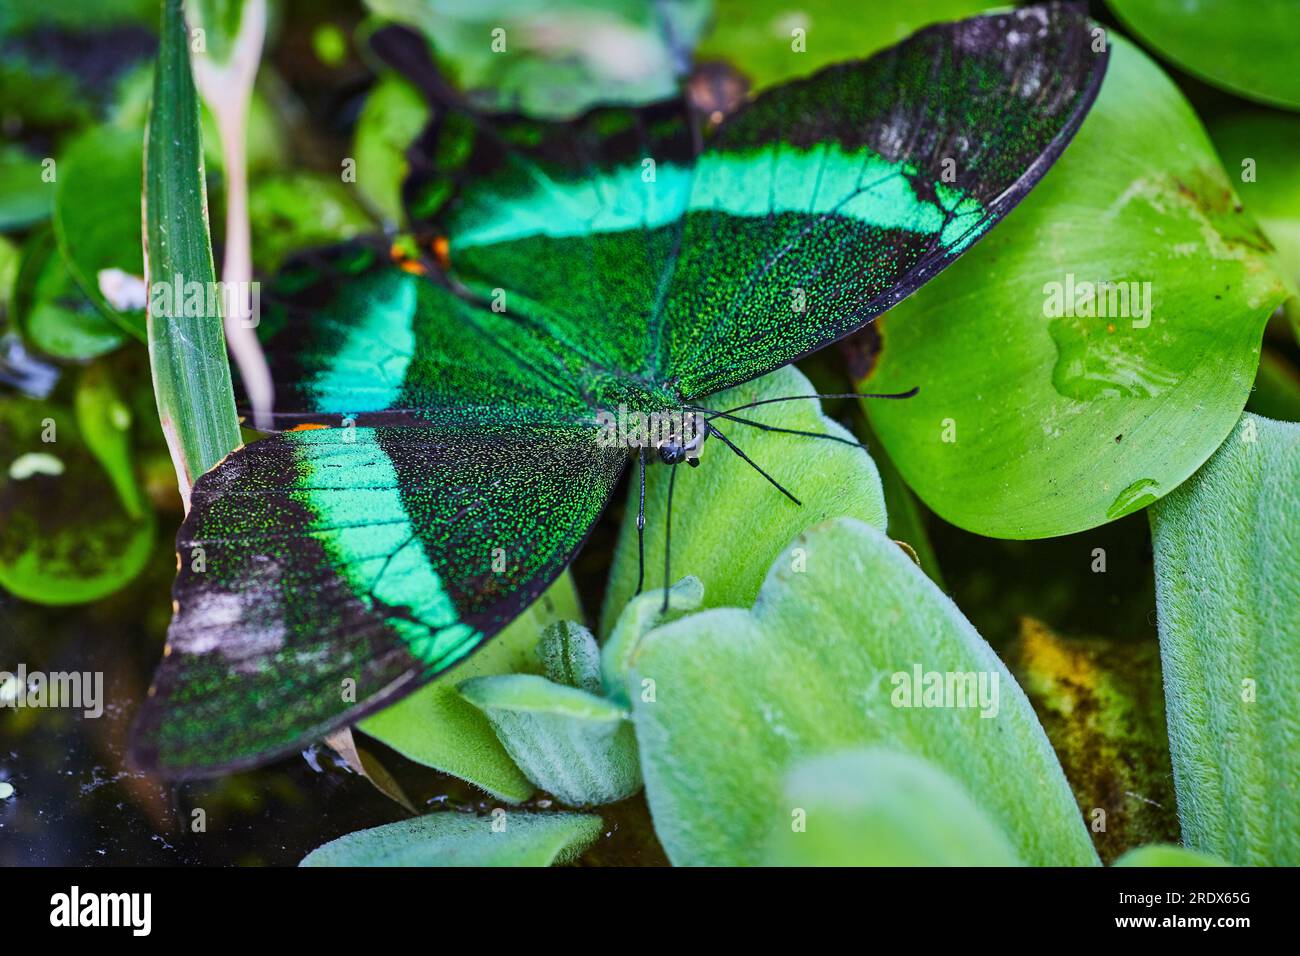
pixel 672 453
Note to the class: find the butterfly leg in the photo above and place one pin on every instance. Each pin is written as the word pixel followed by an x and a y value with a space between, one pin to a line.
pixel 640 529
pixel 668 539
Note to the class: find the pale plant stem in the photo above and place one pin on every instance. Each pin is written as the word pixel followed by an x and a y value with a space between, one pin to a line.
pixel 228 89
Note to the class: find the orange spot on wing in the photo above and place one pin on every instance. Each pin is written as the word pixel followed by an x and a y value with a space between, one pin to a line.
pixel 306 427
pixel 442 251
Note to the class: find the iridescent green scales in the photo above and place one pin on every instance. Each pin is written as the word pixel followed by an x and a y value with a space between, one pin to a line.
pixel 444 464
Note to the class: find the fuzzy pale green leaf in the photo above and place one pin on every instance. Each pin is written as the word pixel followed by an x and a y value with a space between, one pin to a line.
pixel 567 741
pixel 506 838
pixel 735 697
pixel 876 807
pixel 1227 551
pixel 570 656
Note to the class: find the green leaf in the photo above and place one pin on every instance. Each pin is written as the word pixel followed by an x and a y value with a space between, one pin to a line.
pixel 821 663
pixel 51 310
pixel 65 537
pixel 437 727
pixel 759 37
pixel 641 615
pixel 393 116
pixel 1167 855
pixel 1261 151
pixel 105 424
pixel 1030 426
pixel 460 839
pixel 1244 46
pixel 570 656
pixel 196 403
pixel 292 211
pixel 729 522
pixel 1102 705
pixel 875 807
pixel 97 216
pixel 25 197
pixel 10 256
pixel 1227 562
pixel 559 59
pixel 567 741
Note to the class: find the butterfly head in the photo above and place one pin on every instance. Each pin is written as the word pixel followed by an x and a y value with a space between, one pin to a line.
pixel 683 439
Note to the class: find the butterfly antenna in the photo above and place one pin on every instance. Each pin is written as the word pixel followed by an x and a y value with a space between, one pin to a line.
pixel 749 461
pixel 774 428
pixel 640 530
pixel 794 398
pixel 668 539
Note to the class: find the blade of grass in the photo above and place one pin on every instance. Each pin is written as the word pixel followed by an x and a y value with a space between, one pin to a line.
pixel 196 403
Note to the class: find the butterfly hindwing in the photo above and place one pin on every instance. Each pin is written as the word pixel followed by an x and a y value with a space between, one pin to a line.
pixel 325 572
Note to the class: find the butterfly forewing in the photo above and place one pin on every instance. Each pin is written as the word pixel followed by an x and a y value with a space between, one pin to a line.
pixel 828 200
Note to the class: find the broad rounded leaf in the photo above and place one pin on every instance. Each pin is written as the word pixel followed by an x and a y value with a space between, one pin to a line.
pixel 771 41
pixel 728 521
pixel 1227 565
pixel 1261 152
pixel 827 659
pixel 513 838
pixel 97 217
pixel 25 195
pixel 1034 419
pixel 51 310
pixel 1246 46
pixel 875 807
